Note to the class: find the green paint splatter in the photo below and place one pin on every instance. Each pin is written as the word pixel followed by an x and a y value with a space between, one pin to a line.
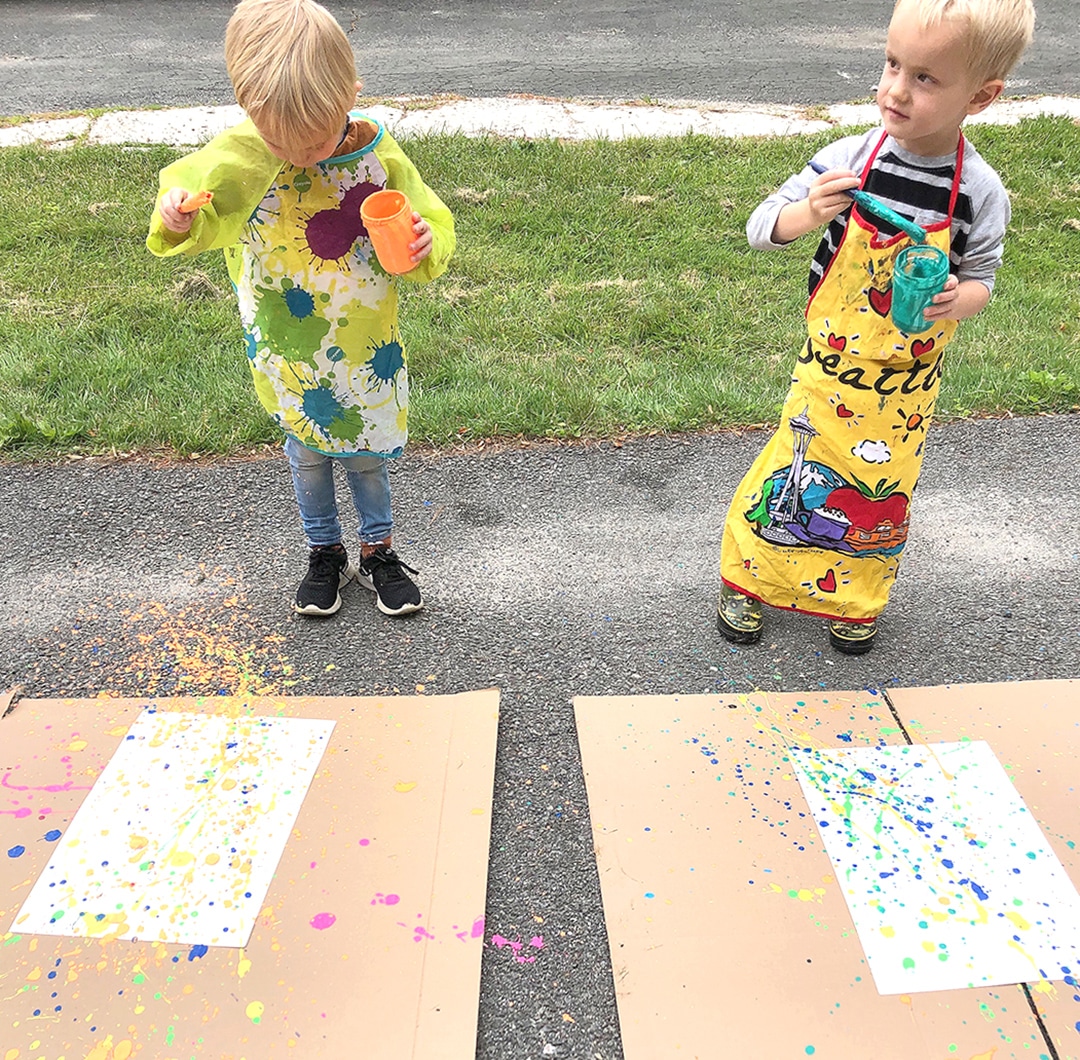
pixel 909 962
pixel 170 1036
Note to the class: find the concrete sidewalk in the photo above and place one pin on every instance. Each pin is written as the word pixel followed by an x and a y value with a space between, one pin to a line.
pixel 520 117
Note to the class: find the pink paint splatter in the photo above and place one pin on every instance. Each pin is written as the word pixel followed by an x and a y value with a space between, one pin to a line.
pixel 321 921
pixel 385 899
pixel 476 932
pixel 365 842
pixel 67 786
pixel 516 947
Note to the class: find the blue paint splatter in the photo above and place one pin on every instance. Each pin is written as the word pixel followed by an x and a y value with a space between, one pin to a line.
pixel 196 951
pixel 300 303
pixel 16 851
pixel 53 835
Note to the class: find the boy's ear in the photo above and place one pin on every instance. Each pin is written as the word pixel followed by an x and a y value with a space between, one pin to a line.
pixel 984 96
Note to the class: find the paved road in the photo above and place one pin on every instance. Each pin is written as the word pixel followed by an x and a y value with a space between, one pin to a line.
pixel 60 54
pixel 550 572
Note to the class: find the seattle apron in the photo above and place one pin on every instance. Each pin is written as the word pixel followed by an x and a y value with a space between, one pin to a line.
pixel 818 523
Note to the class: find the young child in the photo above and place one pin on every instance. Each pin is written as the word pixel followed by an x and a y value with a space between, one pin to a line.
pixel 318 310
pixel 818 523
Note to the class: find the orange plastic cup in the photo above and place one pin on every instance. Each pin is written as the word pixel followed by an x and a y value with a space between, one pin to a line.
pixel 387 216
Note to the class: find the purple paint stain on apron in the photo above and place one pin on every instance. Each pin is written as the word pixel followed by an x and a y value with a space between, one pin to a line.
pixel 331 233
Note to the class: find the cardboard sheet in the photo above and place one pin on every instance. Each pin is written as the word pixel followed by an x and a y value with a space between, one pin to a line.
pixel 728 928
pixel 368 941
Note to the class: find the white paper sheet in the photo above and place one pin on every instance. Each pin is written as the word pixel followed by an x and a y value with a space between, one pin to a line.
pixel 180 836
pixel 949 879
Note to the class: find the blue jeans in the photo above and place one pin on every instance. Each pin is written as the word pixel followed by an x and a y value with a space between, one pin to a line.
pixel 313 482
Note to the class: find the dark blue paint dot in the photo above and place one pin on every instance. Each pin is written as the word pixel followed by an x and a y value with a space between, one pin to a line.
pixel 300 303
pixel 53 835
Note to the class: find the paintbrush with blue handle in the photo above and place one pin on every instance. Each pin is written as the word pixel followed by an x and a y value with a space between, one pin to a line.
pixel 875 206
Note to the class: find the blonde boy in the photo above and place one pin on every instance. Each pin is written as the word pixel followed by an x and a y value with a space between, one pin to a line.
pixel 319 312
pixel 819 522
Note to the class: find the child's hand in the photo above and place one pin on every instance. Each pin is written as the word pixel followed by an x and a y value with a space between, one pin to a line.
pixel 169 209
pixel 826 197
pixel 945 302
pixel 420 247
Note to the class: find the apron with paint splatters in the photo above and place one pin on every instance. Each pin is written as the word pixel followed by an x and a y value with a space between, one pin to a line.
pixel 320 313
pixel 818 523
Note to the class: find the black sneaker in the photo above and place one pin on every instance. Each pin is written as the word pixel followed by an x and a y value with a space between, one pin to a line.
pixel 328 570
pixel 395 591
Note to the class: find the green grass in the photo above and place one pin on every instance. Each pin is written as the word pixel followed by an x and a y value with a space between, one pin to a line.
pixel 598 289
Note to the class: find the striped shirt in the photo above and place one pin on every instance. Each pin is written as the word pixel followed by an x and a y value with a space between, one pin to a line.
pixel 915 187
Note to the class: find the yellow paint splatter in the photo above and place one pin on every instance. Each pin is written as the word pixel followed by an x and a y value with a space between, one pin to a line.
pixel 123 1050
pixel 137 842
pixel 888 932
pixel 255 1010
pixel 243 966
pixel 77 745
pixel 404 785
pixel 102 1050
pixel 1019 921
pixel 11 1054
pixel 212 859
pixel 34 975
pixel 120 730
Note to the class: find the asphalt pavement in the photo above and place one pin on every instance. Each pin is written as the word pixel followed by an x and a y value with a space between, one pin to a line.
pixel 550 570
pixel 63 54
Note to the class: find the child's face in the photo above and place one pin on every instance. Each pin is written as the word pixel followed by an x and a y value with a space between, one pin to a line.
pixel 927 88
pixel 312 148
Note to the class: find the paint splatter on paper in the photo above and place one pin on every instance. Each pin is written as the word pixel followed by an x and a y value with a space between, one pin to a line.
pixel 180 836
pixel 948 878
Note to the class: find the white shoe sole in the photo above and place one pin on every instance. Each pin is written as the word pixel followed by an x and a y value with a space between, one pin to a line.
pixel 344 578
pixel 405 609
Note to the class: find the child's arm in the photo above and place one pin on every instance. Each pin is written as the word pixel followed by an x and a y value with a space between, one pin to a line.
pixel 806 201
pixel 237 167
pixel 824 200
pixel 433 224
pixel 969 289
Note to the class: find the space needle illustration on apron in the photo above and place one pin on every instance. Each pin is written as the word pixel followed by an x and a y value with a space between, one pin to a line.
pixel 819 521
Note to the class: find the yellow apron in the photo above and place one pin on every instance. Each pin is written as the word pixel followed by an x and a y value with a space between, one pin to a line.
pixel 819 521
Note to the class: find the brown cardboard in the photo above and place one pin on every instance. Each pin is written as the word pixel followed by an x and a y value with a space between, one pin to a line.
pixel 1034 728
pixel 746 947
pixel 396 974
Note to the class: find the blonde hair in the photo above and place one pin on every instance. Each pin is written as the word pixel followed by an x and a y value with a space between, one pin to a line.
pixel 997 31
pixel 292 68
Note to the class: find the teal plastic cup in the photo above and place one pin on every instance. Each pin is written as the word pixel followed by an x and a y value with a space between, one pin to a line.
pixel 919 274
